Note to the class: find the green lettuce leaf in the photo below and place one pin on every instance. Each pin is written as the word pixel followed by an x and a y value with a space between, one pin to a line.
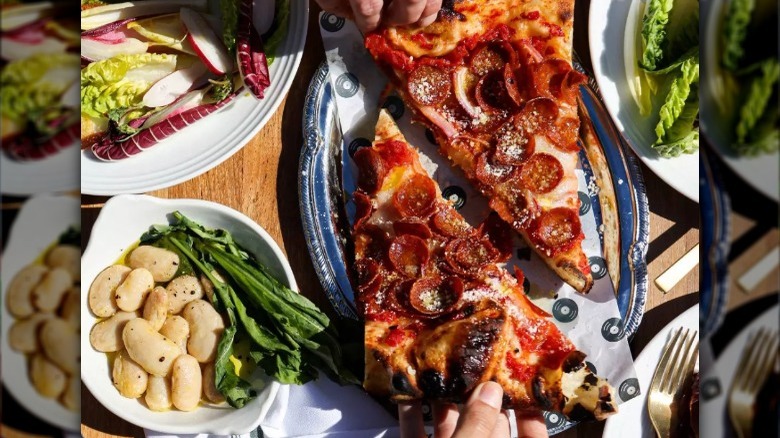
pixel 654 32
pixel 32 87
pixel 229 10
pixel 121 81
pixel 676 131
pixel 735 29
pixel 756 125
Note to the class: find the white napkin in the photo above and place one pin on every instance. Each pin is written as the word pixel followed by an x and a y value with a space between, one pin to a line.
pixel 320 409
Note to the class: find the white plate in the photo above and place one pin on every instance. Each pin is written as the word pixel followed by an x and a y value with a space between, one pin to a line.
pixel 38 224
pixel 208 142
pixel 762 171
pixel 55 173
pixel 607 24
pixel 632 419
pixel 725 368
pixel 121 223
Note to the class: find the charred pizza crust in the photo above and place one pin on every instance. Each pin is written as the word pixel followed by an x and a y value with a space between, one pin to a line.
pixel 441 312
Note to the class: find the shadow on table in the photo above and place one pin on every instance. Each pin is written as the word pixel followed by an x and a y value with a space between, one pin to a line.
pixel 657 318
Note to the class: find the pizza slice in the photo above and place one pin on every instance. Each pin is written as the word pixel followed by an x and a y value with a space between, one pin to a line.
pixel 494 82
pixel 441 312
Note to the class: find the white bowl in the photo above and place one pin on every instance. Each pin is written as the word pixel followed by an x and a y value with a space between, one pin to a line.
pixel 38 224
pixel 120 224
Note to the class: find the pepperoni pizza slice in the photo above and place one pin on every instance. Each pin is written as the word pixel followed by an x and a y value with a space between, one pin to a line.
pixel 441 312
pixel 494 82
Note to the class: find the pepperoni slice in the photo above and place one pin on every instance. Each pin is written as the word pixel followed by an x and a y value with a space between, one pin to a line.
pixel 499 234
pixel 397 295
pixel 514 206
pixel 514 143
pixel 433 296
pixel 429 85
pixel 368 277
pixel 541 173
pixel 467 255
pixel 564 134
pixel 543 74
pixel 371 170
pixel 449 223
pixel 408 255
pixel 412 227
pixel 512 89
pixel 570 86
pixel 558 228
pixel 416 197
pixel 371 242
pixel 363 208
pixel 537 115
pixel 491 173
pixel 491 93
pixel 486 59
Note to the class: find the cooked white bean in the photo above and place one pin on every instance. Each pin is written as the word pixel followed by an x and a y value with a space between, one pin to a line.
pixel 49 380
pixel 158 393
pixel 156 307
pixel 19 299
pixel 71 398
pixel 177 329
pixel 186 383
pixel 130 295
pixel 60 342
pixel 101 292
pixel 68 257
pixel 71 308
pixel 153 351
pixel 23 334
pixel 206 327
pixel 182 290
pixel 209 386
pixel 106 336
pixel 128 377
pixel 162 263
pixel 47 295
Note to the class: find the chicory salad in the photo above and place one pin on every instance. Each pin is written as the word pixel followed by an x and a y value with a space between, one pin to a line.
pixel 151 68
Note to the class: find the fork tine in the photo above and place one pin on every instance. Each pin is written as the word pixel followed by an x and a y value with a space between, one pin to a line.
pixel 673 367
pixel 692 357
pixel 685 360
pixel 660 369
pixel 765 362
pixel 756 361
pixel 747 363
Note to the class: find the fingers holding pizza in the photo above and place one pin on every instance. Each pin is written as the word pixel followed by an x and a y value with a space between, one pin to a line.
pixel 370 14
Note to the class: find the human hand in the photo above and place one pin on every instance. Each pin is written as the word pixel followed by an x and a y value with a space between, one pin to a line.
pixel 368 14
pixel 481 417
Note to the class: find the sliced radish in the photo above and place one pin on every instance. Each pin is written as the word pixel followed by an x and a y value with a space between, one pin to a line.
pixel 263 15
pixel 101 15
pixel 173 86
pixel 12 50
pixel 95 50
pixel 206 43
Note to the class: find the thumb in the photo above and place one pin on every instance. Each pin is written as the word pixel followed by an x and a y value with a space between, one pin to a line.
pixel 479 417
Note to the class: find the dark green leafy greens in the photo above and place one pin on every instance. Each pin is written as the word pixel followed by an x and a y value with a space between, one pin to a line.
pixel 290 339
pixel 735 29
pixel 71 236
pixel 756 128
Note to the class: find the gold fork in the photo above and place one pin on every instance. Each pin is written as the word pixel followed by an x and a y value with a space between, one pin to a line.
pixel 758 359
pixel 671 374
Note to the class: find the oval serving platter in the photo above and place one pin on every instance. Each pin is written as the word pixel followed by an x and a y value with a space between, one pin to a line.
pixel 715 207
pixel 327 228
pixel 323 194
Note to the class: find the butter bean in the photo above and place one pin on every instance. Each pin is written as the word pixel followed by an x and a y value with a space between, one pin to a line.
pixel 48 379
pixel 60 342
pixel 182 290
pixel 19 298
pixel 23 334
pixel 153 351
pixel 177 329
pixel 106 336
pixel 130 295
pixel 47 295
pixel 186 383
pixel 162 263
pixel 101 292
pixel 156 307
pixel 158 393
pixel 129 378
pixel 68 257
pixel 206 327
